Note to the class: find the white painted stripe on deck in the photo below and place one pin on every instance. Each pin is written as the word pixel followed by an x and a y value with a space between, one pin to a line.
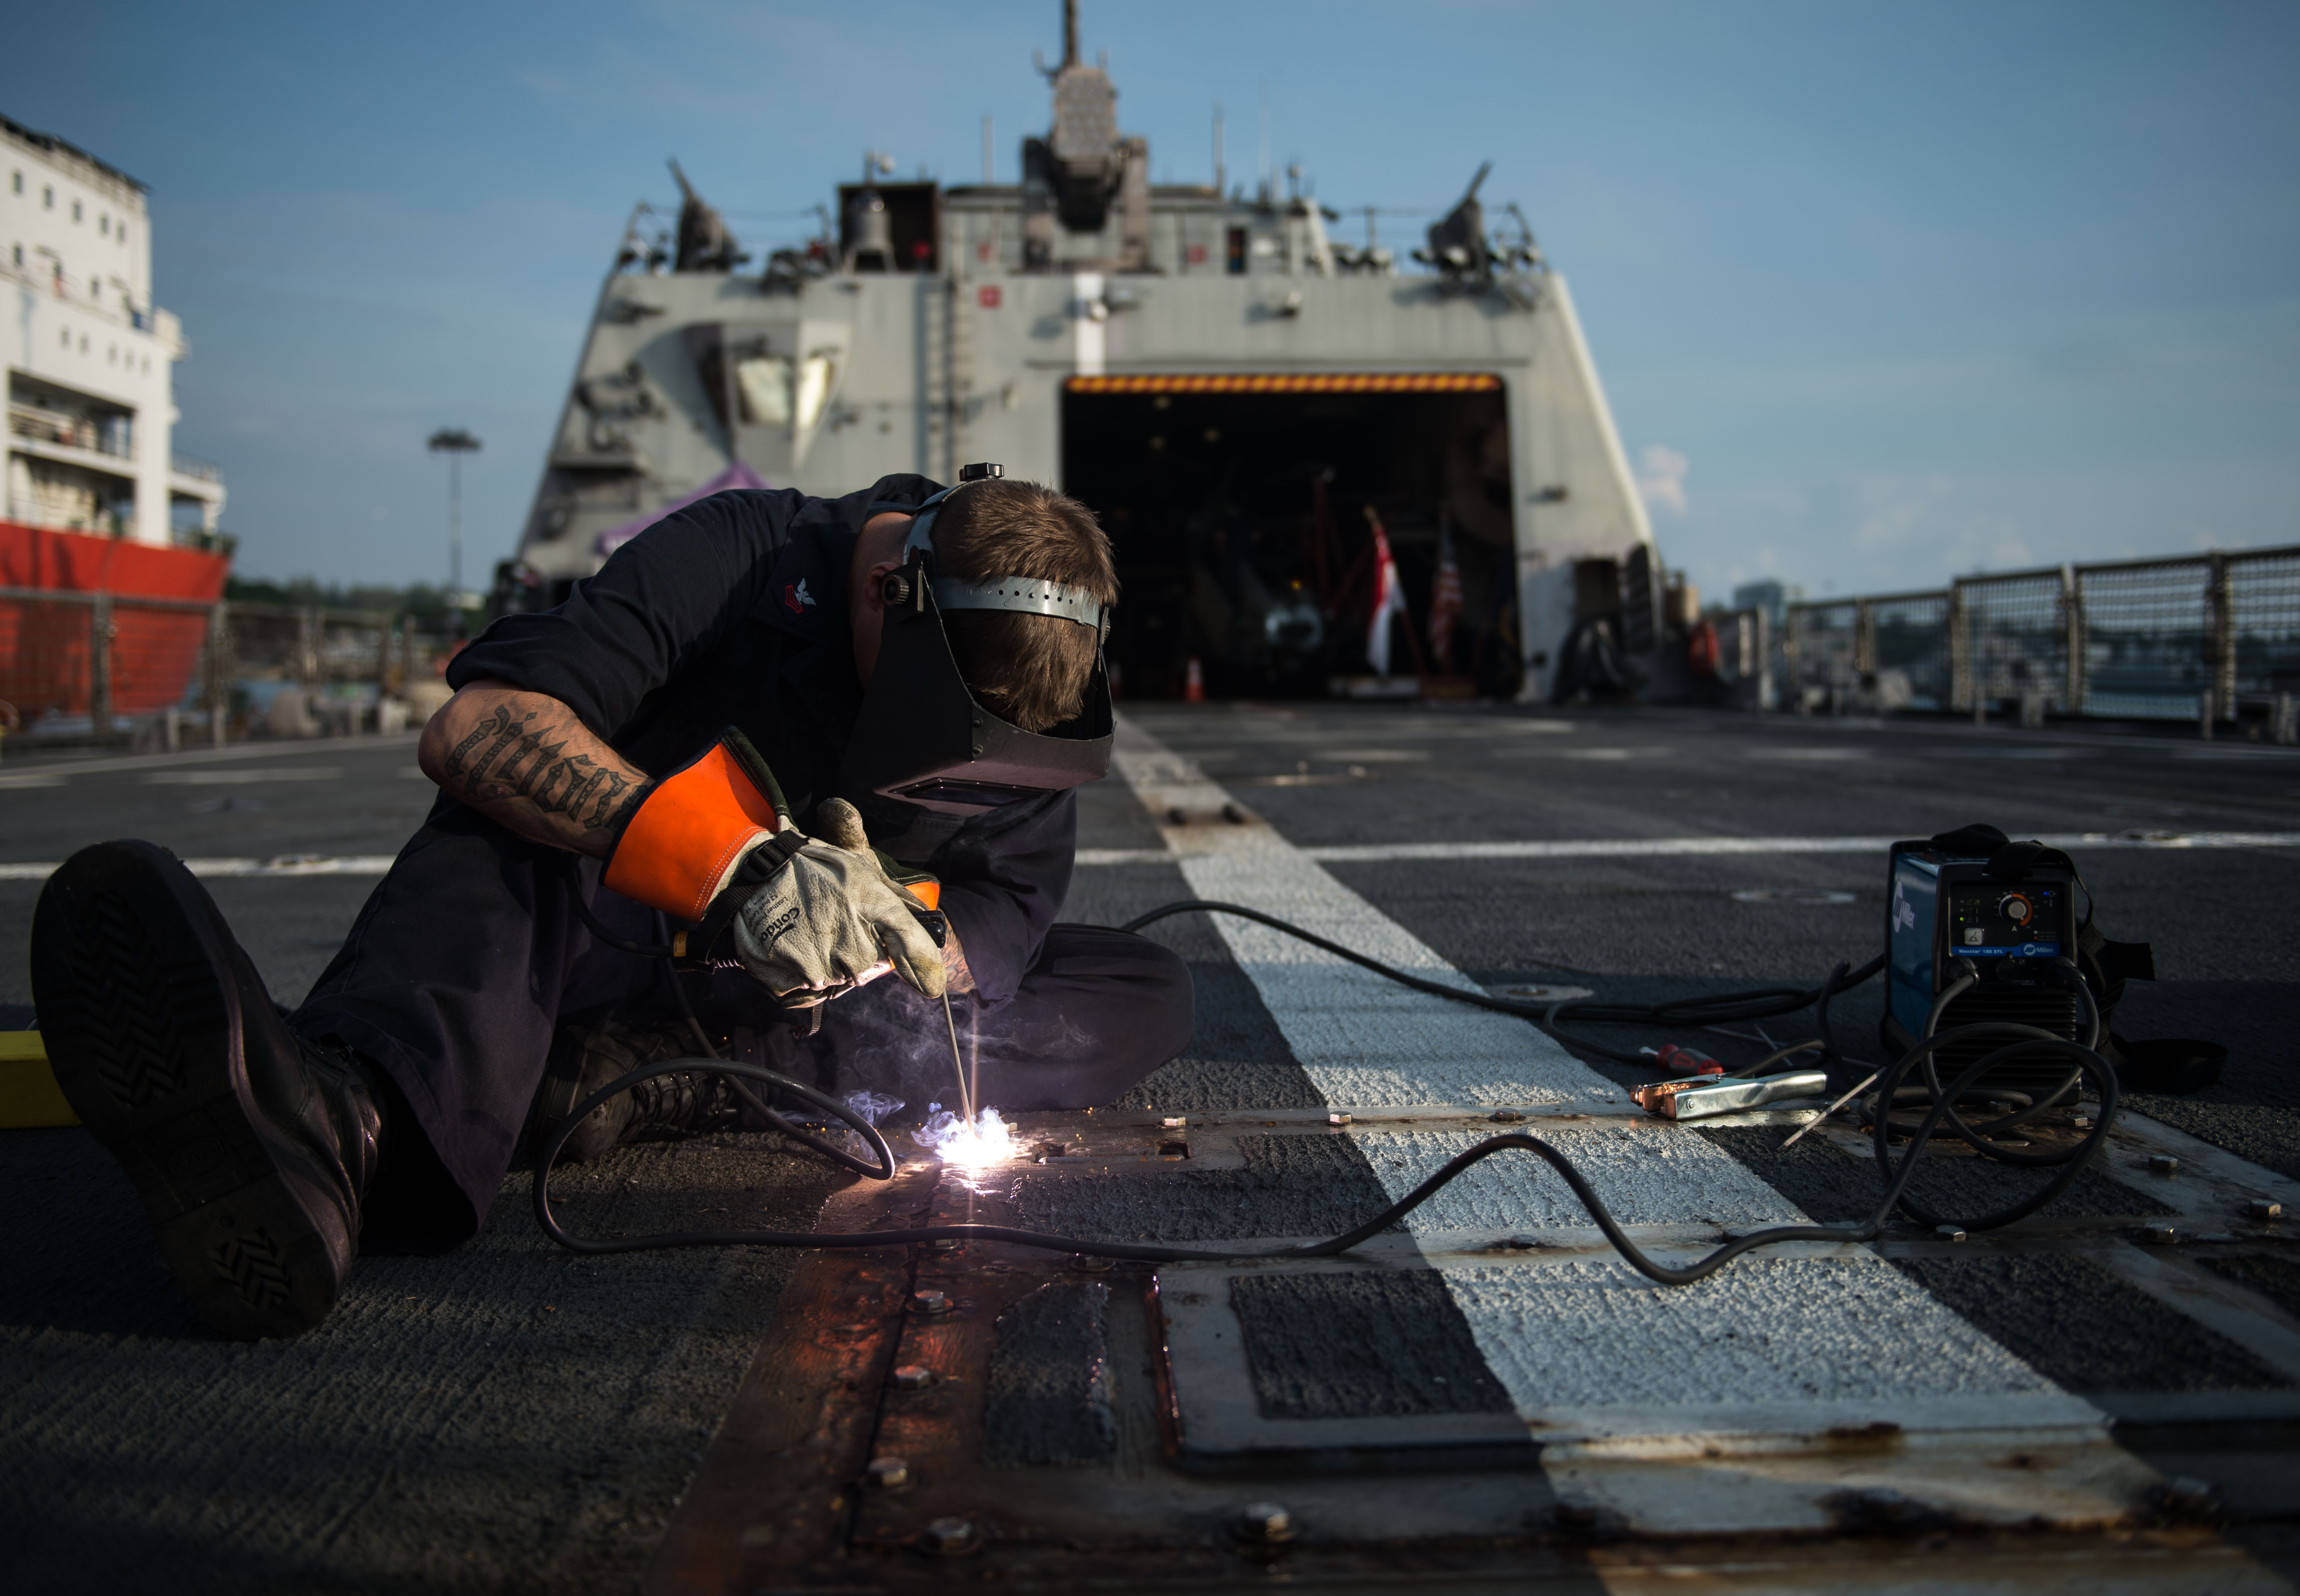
pixel 1669 847
pixel 1817 1341
pixel 1673 847
pixel 285 864
pixel 63 765
pixel 1365 1043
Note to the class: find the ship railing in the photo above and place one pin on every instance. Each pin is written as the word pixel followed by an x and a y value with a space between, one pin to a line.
pixel 2213 637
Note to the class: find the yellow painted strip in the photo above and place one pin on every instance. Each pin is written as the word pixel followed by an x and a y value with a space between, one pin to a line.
pixel 30 1098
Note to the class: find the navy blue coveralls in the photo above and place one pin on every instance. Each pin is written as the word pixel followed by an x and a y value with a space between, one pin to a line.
pixel 731 612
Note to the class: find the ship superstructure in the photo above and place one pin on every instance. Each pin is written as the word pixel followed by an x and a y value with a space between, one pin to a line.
pixel 1242 397
pixel 91 357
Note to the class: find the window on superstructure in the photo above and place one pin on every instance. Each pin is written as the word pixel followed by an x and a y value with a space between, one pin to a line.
pixel 48 196
pixel 17 181
pixel 104 224
pixel 75 209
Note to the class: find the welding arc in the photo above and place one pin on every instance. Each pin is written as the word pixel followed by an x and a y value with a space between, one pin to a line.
pixel 1762 1002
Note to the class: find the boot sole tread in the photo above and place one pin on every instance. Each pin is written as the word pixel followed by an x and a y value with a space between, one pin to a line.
pixel 139 1011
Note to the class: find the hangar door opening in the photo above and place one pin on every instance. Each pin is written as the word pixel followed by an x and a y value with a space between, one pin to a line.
pixel 1238 506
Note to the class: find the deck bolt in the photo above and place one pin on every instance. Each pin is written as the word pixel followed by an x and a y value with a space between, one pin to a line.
pixel 1234 813
pixel 946 1243
pixel 1265 1522
pixel 1089 1263
pixel 2163 1163
pixel 1337 1119
pixel 1173 1122
pixel 2082 1122
pixel 913 1377
pixel 888 1474
pixel 1949 1233
pixel 2159 1235
pixel 1177 816
pixel 2260 1208
pixel 1504 1115
pixel 929 1303
pixel 950 1537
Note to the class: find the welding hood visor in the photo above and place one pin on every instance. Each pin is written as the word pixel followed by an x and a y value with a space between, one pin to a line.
pixel 923 737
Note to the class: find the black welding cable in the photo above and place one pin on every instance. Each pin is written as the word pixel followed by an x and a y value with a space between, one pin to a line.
pixel 2027 1108
pixel 1896 1183
pixel 743 1095
pixel 2022 1039
pixel 1762 1002
pixel 660 949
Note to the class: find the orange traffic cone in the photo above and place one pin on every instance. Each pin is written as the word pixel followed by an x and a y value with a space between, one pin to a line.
pixel 1194 685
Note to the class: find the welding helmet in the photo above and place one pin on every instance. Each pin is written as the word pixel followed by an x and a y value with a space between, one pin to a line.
pixel 923 737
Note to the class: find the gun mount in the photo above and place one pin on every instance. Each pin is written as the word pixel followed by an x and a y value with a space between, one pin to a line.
pixel 705 243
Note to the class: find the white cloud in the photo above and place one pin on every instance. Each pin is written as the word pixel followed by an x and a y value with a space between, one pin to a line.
pixel 1661 478
pixel 1895 510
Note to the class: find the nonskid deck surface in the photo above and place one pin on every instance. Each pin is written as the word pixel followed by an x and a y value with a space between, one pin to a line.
pixel 1486 1395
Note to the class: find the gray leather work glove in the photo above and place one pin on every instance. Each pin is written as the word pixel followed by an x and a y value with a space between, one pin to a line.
pixel 831 921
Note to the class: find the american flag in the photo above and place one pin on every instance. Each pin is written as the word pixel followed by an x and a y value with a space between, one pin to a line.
pixel 1444 601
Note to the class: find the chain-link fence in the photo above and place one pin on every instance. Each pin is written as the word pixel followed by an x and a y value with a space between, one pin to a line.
pixel 2211 637
pixel 101 666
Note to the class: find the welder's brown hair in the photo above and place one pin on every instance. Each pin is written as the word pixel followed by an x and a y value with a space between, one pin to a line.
pixel 1031 669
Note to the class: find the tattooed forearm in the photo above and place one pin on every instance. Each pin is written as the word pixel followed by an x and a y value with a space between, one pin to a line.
pixel 499 726
pixel 527 759
pixel 953 963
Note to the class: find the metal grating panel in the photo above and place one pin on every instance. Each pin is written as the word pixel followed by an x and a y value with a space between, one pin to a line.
pixel 2145 631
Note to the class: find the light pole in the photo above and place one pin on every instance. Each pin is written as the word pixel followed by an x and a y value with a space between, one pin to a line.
pixel 454 443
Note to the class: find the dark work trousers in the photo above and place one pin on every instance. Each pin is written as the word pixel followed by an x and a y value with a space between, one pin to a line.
pixel 470 953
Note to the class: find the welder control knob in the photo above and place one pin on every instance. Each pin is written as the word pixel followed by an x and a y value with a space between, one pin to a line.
pixel 2015 908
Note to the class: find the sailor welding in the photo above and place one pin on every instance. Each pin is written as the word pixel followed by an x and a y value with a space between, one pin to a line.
pixel 693 758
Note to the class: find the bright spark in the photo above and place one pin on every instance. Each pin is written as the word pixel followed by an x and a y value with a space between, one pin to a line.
pixel 986 1141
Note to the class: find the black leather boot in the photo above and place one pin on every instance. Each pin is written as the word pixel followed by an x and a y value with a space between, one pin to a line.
pixel 250 1147
pixel 586 1057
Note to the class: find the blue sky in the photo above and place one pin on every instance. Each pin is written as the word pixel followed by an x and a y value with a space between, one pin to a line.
pixel 1887 292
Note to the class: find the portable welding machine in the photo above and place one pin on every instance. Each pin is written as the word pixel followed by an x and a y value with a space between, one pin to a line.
pixel 1970 903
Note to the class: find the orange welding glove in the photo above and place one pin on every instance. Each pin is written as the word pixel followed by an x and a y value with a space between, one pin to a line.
pixel 713 842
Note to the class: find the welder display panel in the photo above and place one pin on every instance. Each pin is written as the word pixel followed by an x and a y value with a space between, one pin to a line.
pixel 1644 1174
pixel 1767 1330
pixel 1988 919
